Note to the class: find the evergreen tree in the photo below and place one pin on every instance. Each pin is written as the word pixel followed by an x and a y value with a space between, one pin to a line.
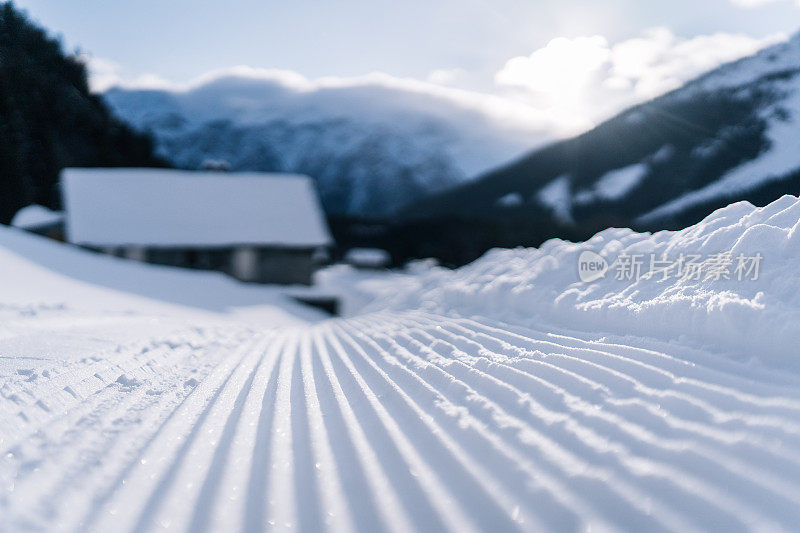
pixel 49 119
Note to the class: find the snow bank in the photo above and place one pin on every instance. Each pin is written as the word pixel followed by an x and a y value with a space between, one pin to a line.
pixel 37 273
pixel 368 257
pixel 752 319
pixel 35 216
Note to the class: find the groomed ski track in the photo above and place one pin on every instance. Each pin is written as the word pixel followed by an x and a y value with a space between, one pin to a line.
pixel 398 422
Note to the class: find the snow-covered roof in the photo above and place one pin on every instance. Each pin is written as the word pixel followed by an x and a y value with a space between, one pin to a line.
pixel 368 257
pixel 36 216
pixel 164 207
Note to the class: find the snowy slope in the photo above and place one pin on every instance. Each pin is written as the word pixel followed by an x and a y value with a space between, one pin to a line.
pixel 502 396
pixel 372 147
pixel 38 273
pixel 730 135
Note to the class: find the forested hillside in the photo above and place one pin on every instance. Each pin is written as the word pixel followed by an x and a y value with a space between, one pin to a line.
pixel 50 120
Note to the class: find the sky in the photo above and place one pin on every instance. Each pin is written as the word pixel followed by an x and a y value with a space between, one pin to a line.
pixel 576 60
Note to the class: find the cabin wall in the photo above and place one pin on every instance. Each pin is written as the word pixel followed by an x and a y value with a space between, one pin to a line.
pixel 136 253
pixel 244 263
pixel 285 266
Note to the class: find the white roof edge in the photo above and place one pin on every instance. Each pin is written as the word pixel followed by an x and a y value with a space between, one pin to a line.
pixel 34 216
pixel 184 208
pixel 189 174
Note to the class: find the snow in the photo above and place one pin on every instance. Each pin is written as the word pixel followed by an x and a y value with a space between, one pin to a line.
pixel 779 160
pixel 512 199
pixel 616 184
pixel 756 320
pixel 39 273
pixel 774 71
pixel 160 207
pixel 663 154
pixel 36 216
pixel 556 195
pixel 506 395
pixel 782 57
pixel 368 257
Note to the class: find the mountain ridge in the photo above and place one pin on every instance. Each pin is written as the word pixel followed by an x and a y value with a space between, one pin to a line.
pixel 684 142
pixel 372 148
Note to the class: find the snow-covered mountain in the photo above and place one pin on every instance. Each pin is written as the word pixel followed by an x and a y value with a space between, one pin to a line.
pixel 733 134
pixel 372 146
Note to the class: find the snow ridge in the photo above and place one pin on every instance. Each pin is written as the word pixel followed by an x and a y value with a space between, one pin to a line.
pixel 752 319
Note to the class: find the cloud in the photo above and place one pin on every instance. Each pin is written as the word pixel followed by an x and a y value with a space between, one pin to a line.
pixel 446 76
pixel 105 73
pixel 286 78
pixel 758 3
pixel 513 115
pixel 561 89
pixel 588 78
pixel 563 65
pixel 752 3
pixel 659 61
